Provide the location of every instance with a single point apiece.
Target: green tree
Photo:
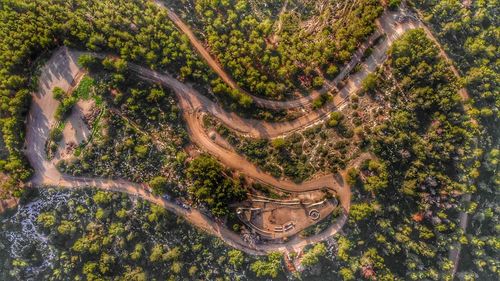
(335, 118)
(352, 176)
(159, 185)
(312, 256)
(236, 258)
(58, 93)
(369, 84)
(87, 61)
(47, 219)
(212, 186)
(270, 268)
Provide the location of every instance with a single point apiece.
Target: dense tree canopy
(212, 185)
(402, 220)
(136, 30)
(469, 32)
(271, 47)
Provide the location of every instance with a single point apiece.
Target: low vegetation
(322, 148)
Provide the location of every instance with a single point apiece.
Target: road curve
(260, 129)
(62, 71)
(385, 25)
(219, 70)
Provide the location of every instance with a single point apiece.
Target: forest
(432, 145)
(30, 30)
(96, 235)
(469, 34)
(273, 48)
(406, 207)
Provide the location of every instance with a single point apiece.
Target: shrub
(352, 176)
(278, 143)
(369, 84)
(58, 93)
(312, 256)
(87, 61)
(332, 70)
(394, 4)
(269, 268)
(318, 82)
(159, 185)
(335, 118)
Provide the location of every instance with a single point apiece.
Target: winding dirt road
(385, 25)
(62, 71)
(388, 24)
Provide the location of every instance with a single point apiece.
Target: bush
(352, 176)
(278, 143)
(394, 4)
(335, 118)
(56, 134)
(269, 268)
(58, 93)
(84, 88)
(65, 107)
(332, 70)
(87, 61)
(369, 84)
(321, 100)
(159, 185)
(312, 256)
(318, 82)
(141, 151)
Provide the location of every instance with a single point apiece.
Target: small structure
(314, 214)
(289, 226)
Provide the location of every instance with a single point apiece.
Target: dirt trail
(193, 105)
(385, 25)
(61, 71)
